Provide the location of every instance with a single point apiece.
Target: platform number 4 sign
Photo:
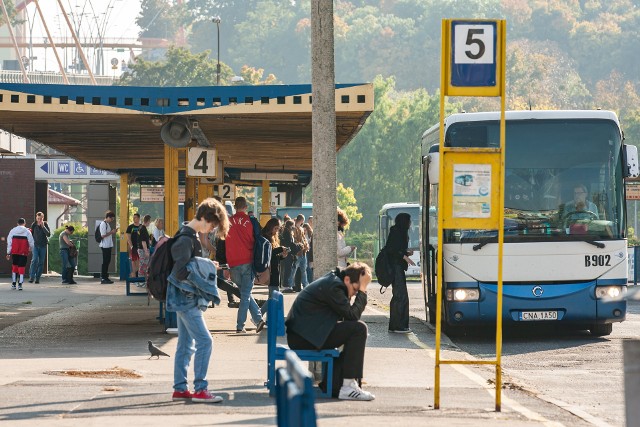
(201, 162)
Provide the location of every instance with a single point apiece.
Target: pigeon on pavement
(155, 351)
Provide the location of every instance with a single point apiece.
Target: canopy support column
(171, 225)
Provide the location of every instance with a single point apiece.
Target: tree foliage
(347, 202)
(560, 55)
(179, 68)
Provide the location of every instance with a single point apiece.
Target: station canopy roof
(117, 128)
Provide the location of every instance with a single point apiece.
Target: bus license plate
(527, 316)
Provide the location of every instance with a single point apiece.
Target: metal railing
(41, 77)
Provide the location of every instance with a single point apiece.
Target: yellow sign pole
(439, 265)
(473, 64)
(503, 44)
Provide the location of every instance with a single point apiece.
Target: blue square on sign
(79, 168)
(64, 168)
(473, 53)
(94, 171)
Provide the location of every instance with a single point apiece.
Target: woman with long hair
(396, 248)
(270, 232)
(308, 231)
(343, 249)
(286, 240)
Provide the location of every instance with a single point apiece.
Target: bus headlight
(609, 292)
(463, 294)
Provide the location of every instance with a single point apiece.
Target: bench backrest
(297, 399)
(275, 316)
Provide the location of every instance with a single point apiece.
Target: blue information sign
(473, 53)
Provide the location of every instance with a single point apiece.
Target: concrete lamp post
(216, 20)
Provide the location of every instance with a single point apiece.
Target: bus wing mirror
(433, 167)
(632, 169)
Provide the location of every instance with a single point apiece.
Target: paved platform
(50, 328)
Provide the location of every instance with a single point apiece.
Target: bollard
(631, 351)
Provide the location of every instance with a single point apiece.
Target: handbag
(73, 252)
(263, 278)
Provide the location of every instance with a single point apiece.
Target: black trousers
(229, 287)
(399, 307)
(350, 333)
(106, 260)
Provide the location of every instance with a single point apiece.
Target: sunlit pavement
(50, 328)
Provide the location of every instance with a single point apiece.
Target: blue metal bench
(294, 394)
(131, 280)
(275, 351)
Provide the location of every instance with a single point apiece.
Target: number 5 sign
(201, 162)
(473, 57)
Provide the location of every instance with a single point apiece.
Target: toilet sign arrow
(45, 167)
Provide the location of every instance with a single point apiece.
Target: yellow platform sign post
(472, 193)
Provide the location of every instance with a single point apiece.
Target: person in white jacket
(343, 249)
(19, 244)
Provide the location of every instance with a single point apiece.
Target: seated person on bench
(322, 317)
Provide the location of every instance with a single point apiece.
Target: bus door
(429, 238)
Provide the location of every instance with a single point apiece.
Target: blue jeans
(242, 275)
(299, 263)
(67, 263)
(37, 262)
(193, 337)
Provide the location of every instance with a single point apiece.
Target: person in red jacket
(19, 244)
(239, 246)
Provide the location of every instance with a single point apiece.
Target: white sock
(13, 277)
(21, 278)
(347, 382)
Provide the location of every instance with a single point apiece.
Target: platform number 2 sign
(201, 162)
(227, 191)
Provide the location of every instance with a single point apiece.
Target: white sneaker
(354, 392)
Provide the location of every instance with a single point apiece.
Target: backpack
(98, 234)
(384, 270)
(261, 249)
(160, 266)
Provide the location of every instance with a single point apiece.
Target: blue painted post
(636, 256)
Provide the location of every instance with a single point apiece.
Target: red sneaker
(205, 396)
(181, 395)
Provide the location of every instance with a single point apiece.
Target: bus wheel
(601, 330)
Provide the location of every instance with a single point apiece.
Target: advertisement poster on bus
(471, 190)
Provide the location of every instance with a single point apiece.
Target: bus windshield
(563, 179)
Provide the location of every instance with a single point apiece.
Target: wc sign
(70, 170)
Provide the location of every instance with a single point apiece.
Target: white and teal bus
(386, 219)
(565, 246)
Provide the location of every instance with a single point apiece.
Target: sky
(117, 17)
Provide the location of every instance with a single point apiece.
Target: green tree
(347, 202)
(159, 19)
(179, 68)
(382, 163)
